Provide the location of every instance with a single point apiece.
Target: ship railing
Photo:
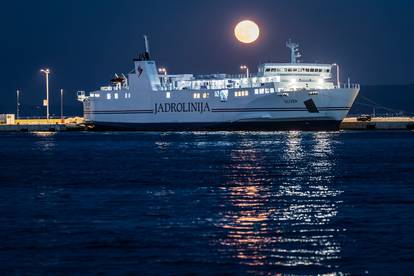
(225, 76)
(348, 85)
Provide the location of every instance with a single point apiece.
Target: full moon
(247, 31)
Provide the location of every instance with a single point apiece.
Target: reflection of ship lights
(286, 223)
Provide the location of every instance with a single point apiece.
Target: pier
(78, 124)
(378, 123)
(10, 124)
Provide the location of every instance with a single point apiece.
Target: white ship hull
(254, 112)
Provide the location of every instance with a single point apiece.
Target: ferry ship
(280, 96)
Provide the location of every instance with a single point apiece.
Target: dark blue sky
(85, 42)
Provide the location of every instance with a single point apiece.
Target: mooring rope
(376, 105)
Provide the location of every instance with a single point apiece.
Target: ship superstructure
(280, 96)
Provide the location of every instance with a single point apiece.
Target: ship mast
(147, 50)
(295, 54)
(145, 56)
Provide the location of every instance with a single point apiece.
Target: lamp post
(244, 67)
(338, 83)
(163, 71)
(61, 106)
(17, 104)
(47, 72)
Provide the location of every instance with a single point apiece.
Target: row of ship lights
(164, 72)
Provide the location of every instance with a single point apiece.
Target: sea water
(295, 203)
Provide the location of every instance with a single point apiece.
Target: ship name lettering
(291, 101)
(199, 107)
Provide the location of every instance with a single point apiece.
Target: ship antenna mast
(147, 50)
(295, 54)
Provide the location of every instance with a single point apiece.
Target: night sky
(85, 42)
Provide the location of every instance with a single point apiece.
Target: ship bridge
(301, 69)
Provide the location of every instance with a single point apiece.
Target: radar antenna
(295, 53)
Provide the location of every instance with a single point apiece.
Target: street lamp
(17, 104)
(244, 67)
(338, 83)
(61, 106)
(47, 72)
(163, 71)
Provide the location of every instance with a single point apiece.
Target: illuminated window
(224, 94)
(206, 95)
(272, 90)
(126, 95)
(116, 96)
(196, 96)
(217, 94)
(261, 91)
(243, 93)
(168, 95)
(108, 96)
(256, 91)
(267, 90)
